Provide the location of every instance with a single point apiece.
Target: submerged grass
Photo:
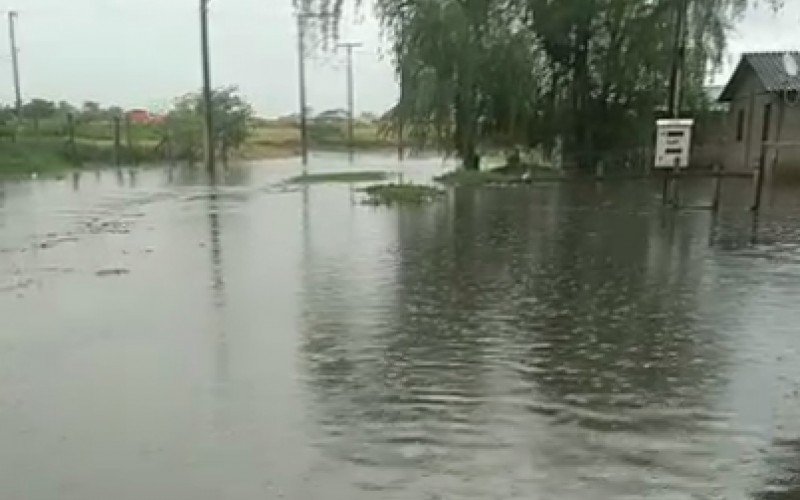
(27, 157)
(474, 178)
(345, 177)
(406, 194)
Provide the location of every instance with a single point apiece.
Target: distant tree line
(181, 126)
(591, 75)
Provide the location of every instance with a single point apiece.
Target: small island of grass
(400, 194)
(339, 177)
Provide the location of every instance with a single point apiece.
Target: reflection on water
(559, 341)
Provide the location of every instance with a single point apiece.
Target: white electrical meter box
(673, 143)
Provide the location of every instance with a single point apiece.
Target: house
(764, 109)
(144, 117)
(139, 116)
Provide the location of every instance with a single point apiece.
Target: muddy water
(160, 338)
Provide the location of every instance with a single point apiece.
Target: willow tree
(594, 73)
(467, 69)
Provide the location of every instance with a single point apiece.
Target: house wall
(743, 155)
(787, 131)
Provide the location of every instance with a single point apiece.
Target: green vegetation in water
(26, 157)
(403, 194)
(509, 174)
(463, 177)
(344, 177)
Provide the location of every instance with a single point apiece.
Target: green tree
(231, 115)
(38, 109)
(91, 111)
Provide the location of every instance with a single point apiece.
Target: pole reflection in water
(754, 228)
(221, 341)
(215, 230)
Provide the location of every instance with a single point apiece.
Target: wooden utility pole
(12, 17)
(350, 96)
(208, 111)
(301, 55)
(301, 58)
(678, 59)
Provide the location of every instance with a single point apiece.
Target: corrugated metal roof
(770, 70)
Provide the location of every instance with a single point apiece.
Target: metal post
(12, 16)
(207, 107)
(301, 55)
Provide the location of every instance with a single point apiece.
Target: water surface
(160, 338)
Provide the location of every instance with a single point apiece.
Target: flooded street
(163, 339)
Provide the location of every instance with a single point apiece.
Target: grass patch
(345, 177)
(474, 178)
(402, 194)
(26, 157)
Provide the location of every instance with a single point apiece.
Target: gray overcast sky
(144, 52)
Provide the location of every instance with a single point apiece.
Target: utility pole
(207, 108)
(301, 52)
(12, 17)
(678, 59)
(301, 58)
(350, 97)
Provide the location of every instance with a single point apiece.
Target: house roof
(768, 68)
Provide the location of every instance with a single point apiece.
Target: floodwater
(163, 339)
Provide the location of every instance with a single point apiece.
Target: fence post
(73, 150)
(117, 145)
(717, 187)
(169, 145)
(129, 141)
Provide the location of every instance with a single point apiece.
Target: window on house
(740, 126)
(766, 126)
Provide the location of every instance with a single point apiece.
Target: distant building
(764, 109)
(332, 116)
(144, 117)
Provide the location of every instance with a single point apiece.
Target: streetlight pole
(350, 96)
(207, 107)
(12, 17)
